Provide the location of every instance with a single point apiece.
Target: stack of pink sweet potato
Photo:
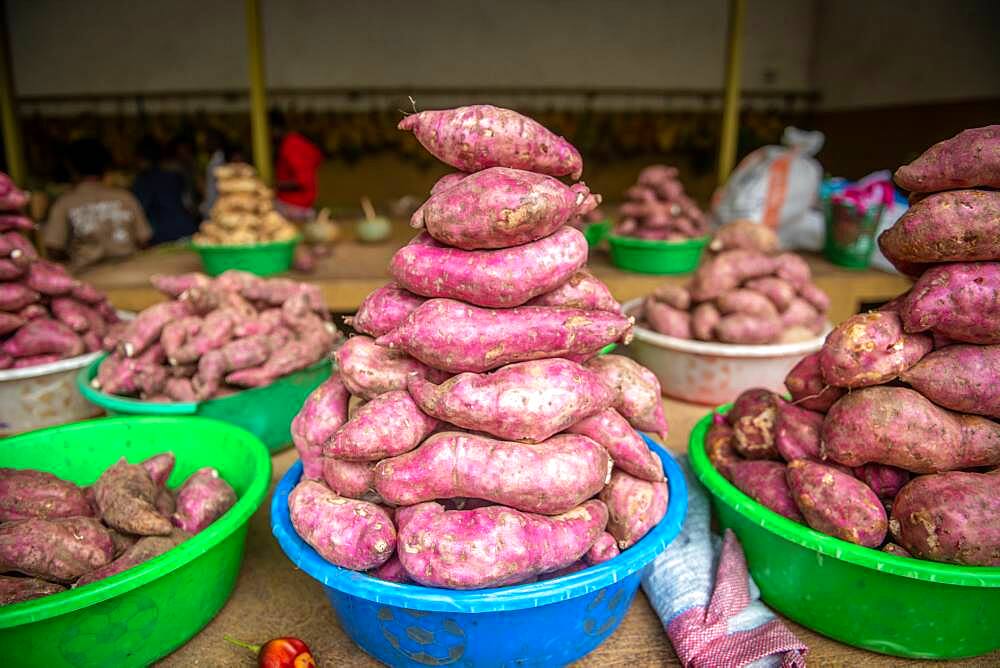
(488, 443)
(216, 336)
(657, 207)
(893, 432)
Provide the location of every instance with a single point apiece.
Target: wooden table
(272, 598)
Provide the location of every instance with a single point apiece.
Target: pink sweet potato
(778, 290)
(387, 426)
(27, 493)
(9, 270)
(203, 498)
(88, 294)
(73, 314)
(792, 268)
(213, 332)
(322, 414)
(960, 301)
(494, 278)
(582, 290)
(797, 432)
(15, 296)
(899, 427)
(384, 309)
(60, 550)
(176, 333)
(704, 319)
(177, 284)
(125, 496)
(354, 480)
(800, 312)
(41, 336)
(870, 349)
(17, 590)
(752, 417)
(969, 159)
(13, 221)
(501, 207)
(289, 357)
(885, 481)
(746, 235)
(480, 136)
(741, 300)
(746, 329)
(346, 532)
(552, 476)
(10, 322)
(837, 503)
(35, 360)
(673, 295)
(450, 335)
(636, 389)
(892, 548)
(369, 370)
(49, 278)
(808, 388)
(141, 551)
(666, 319)
(392, 570)
(605, 548)
(950, 517)
(728, 270)
(526, 401)
(146, 328)
(764, 482)
(634, 506)
(963, 378)
(494, 546)
(627, 449)
(18, 248)
(719, 445)
(447, 181)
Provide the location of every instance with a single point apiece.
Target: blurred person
(93, 221)
(162, 193)
(218, 154)
(297, 163)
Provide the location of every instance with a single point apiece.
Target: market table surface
(272, 599)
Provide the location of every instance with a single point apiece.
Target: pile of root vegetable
(657, 208)
(892, 432)
(488, 443)
(244, 212)
(56, 534)
(217, 336)
(744, 293)
(45, 314)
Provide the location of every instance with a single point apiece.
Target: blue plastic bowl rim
(516, 597)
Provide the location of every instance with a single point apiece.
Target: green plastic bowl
(143, 614)
(649, 256)
(265, 259)
(857, 595)
(266, 412)
(595, 233)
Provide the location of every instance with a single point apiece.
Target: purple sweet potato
(627, 449)
(42, 336)
(704, 319)
(384, 309)
(526, 401)
(125, 496)
(634, 506)
(605, 548)
(797, 432)
(765, 483)
(960, 301)
(15, 296)
(949, 517)
(582, 290)
(500, 278)
(346, 532)
(27, 493)
(368, 370)
(753, 416)
(322, 414)
(636, 392)
(387, 426)
(17, 590)
(969, 159)
(495, 545)
(719, 445)
(746, 329)
(548, 478)
(728, 270)
(808, 388)
(354, 480)
(450, 335)
(666, 319)
(870, 349)
(146, 328)
(159, 467)
(899, 427)
(49, 278)
(961, 377)
(837, 504)
(60, 550)
(203, 498)
(885, 481)
(953, 226)
(141, 551)
(480, 136)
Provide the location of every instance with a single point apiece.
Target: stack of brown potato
(244, 213)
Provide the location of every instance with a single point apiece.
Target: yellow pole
(258, 93)
(8, 108)
(731, 99)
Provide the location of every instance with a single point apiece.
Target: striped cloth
(709, 604)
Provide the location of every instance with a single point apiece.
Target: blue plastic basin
(547, 623)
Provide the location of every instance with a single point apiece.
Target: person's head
(149, 150)
(88, 158)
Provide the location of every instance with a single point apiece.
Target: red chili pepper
(284, 652)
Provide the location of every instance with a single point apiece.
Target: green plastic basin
(264, 259)
(143, 614)
(266, 412)
(649, 256)
(595, 233)
(857, 595)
